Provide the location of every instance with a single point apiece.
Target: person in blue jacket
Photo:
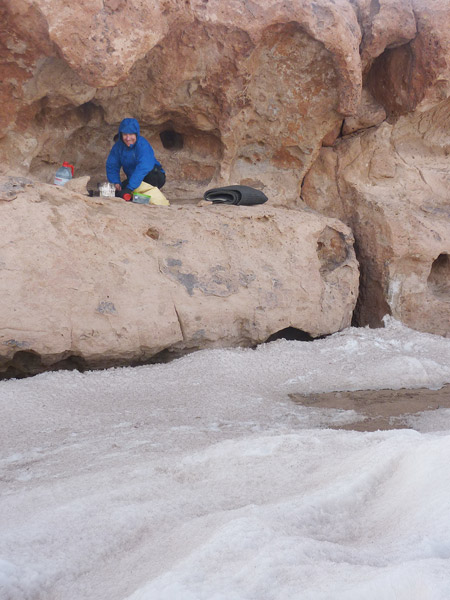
(134, 154)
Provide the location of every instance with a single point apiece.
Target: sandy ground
(381, 409)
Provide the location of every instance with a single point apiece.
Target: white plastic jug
(107, 190)
(63, 174)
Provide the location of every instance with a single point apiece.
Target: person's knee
(161, 180)
(155, 177)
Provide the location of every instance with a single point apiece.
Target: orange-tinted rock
(260, 84)
(232, 92)
(391, 184)
(416, 74)
(386, 24)
(368, 114)
(264, 83)
(332, 135)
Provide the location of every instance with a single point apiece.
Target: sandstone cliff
(340, 104)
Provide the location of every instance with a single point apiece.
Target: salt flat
(203, 479)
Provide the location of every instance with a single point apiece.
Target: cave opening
(171, 139)
(290, 333)
(439, 277)
(26, 363)
(397, 80)
(371, 305)
(78, 135)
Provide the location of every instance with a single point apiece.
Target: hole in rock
(76, 135)
(26, 363)
(439, 277)
(23, 363)
(371, 305)
(290, 333)
(84, 136)
(397, 80)
(171, 140)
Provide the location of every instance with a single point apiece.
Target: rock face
(392, 185)
(295, 98)
(97, 281)
(225, 93)
(235, 92)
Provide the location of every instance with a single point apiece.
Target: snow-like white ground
(200, 479)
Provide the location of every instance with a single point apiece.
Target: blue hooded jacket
(136, 160)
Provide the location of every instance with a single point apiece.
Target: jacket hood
(129, 126)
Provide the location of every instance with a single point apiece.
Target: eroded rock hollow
(341, 105)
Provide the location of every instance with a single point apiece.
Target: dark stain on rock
(215, 283)
(16, 344)
(177, 244)
(199, 334)
(245, 279)
(189, 280)
(106, 308)
(220, 284)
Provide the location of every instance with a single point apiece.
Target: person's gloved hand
(126, 194)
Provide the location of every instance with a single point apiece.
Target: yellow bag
(155, 195)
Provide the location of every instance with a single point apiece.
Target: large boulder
(98, 281)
